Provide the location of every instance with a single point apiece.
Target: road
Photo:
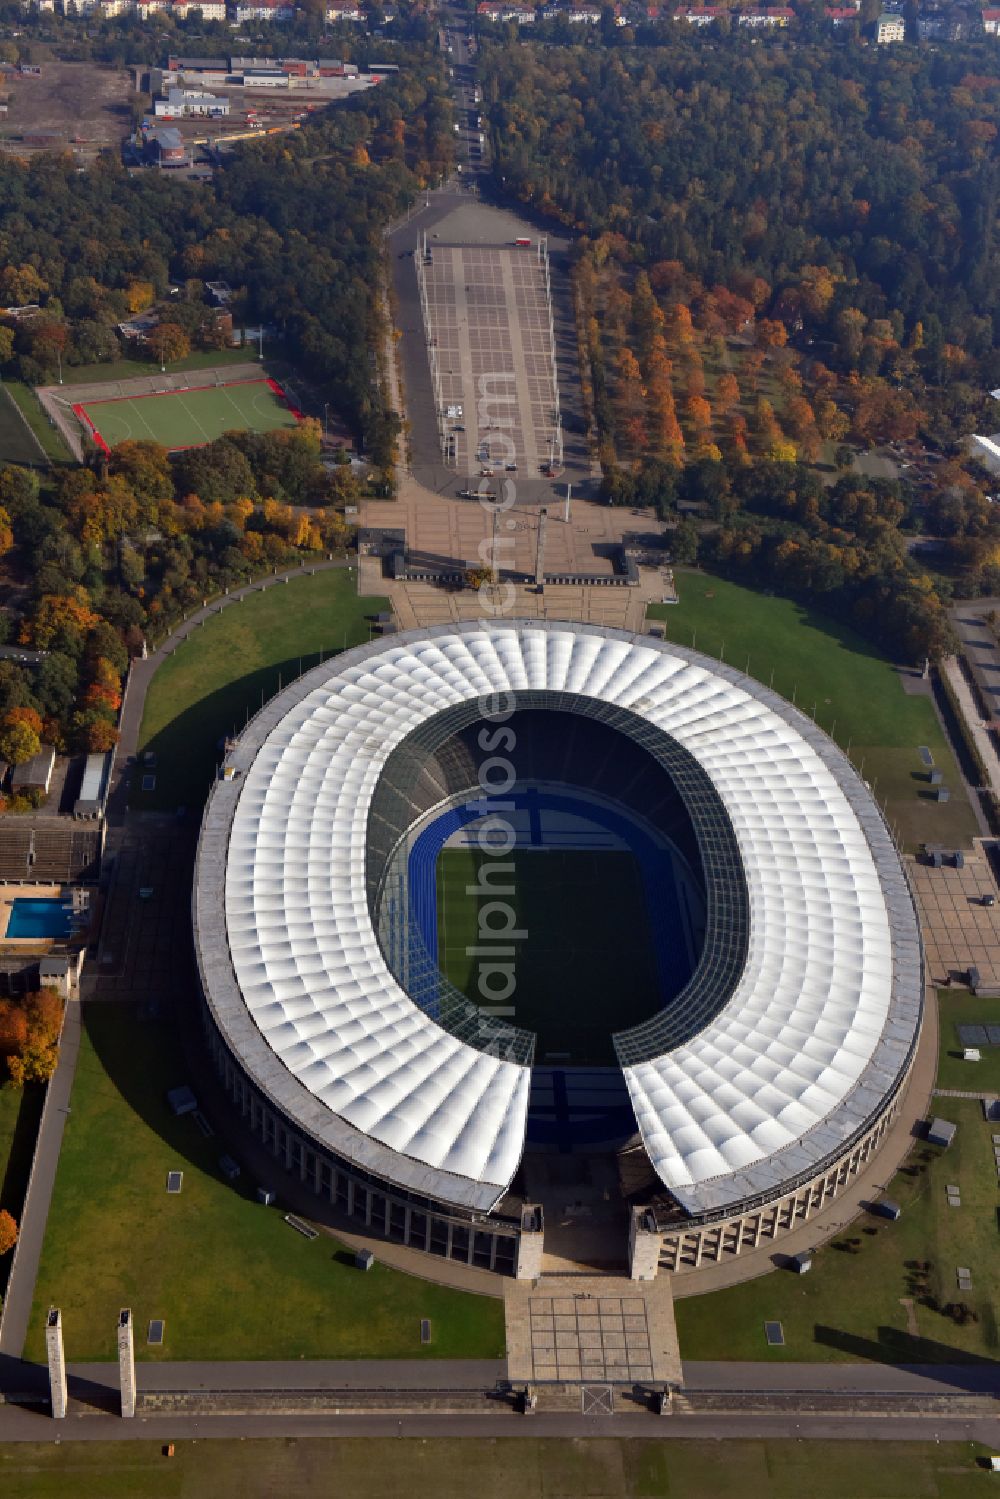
(20, 1424)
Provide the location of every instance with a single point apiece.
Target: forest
(782, 258)
(880, 171)
(121, 552)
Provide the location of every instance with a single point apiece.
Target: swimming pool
(40, 917)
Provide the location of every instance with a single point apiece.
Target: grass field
(217, 676)
(585, 966)
(17, 442)
(957, 1007)
(856, 694)
(48, 438)
(130, 369)
(231, 1279)
(529, 1468)
(848, 1307)
(191, 418)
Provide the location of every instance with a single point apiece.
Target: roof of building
(37, 770)
(167, 137)
(791, 1057)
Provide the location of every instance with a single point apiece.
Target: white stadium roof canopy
(795, 1059)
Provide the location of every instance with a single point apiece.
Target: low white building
(183, 103)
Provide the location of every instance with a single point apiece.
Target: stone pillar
(126, 1361)
(643, 1245)
(543, 516)
(57, 1363)
(531, 1244)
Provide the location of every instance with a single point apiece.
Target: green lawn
(585, 966)
(856, 694)
(189, 419)
(206, 689)
(17, 442)
(232, 1280)
(128, 369)
(848, 1306)
(51, 443)
(957, 1007)
(528, 1468)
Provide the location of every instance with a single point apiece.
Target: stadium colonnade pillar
(644, 1240)
(126, 1361)
(531, 1243)
(57, 1363)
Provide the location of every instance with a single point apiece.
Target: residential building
(890, 28)
(210, 10)
(758, 20)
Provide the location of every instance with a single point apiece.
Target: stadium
(485, 908)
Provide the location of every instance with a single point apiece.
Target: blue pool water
(45, 917)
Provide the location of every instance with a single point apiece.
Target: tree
(18, 743)
(168, 343)
(139, 295)
(727, 392)
(8, 1231)
(60, 622)
(13, 1027)
(771, 334)
(684, 543)
(45, 1015)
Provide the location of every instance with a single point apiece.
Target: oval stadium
(536, 937)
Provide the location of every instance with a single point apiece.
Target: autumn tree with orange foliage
(35, 1059)
(727, 392)
(8, 1231)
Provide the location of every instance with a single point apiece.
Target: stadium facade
(758, 1090)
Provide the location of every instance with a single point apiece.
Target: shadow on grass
(144, 1057)
(18, 1169)
(966, 1371)
(189, 747)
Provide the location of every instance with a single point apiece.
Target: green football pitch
(188, 418)
(585, 967)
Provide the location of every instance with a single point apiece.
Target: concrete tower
(126, 1361)
(543, 516)
(57, 1362)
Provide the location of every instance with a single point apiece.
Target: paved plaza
(575, 1329)
(442, 529)
(959, 931)
(490, 334)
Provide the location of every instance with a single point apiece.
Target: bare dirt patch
(77, 104)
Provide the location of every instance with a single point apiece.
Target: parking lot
(489, 328)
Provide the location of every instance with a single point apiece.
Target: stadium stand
(55, 853)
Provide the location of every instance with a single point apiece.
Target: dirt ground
(77, 103)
